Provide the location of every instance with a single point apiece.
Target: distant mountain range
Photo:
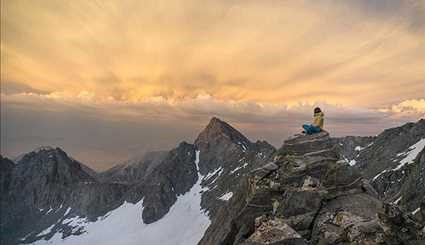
(224, 189)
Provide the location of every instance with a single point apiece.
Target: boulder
(274, 231)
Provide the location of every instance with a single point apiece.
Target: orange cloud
(267, 51)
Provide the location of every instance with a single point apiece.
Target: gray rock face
(220, 141)
(384, 161)
(226, 158)
(274, 231)
(382, 154)
(308, 196)
(413, 188)
(173, 177)
(42, 179)
(6, 169)
(134, 170)
(349, 147)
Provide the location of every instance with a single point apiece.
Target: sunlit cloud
(256, 50)
(408, 107)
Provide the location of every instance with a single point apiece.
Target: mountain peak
(53, 163)
(37, 150)
(215, 124)
(218, 129)
(43, 148)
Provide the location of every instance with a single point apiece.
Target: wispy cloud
(255, 50)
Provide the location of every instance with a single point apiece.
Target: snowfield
(412, 152)
(226, 196)
(184, 224)
(409, 156)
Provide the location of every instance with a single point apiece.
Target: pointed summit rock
(218, 131)
(53, 164)
(220, 141)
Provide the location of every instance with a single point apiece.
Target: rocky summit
(225, 189)
(308, 195)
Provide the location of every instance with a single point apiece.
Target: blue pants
(310, 129)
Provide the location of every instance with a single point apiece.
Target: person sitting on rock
(317, 125)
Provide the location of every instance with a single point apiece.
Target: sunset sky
(108, 80)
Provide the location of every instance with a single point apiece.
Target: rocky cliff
(307, 195)
(134, 170)
(391, 161)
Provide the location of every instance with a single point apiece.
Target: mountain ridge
(215, 171)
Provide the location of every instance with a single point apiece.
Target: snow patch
(46, 231)
(226, 196)
(381, 173)
(260, 155)
(416, 211)
(240, 167)
(216, 173)
(67, 212)
(244, 147)
(398, 200)
(43, 148)
(358, 148)
(410, 154)
(50, 210)
(76, 223)
(413, 151)
(60, 207)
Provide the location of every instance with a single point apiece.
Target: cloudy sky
(107, 80)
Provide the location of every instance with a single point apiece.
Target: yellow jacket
(318, 119)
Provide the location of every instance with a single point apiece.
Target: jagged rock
(310, 183)
(6, 169)
(274, 231)
(42, 179)
(265, 170)
(175, 176)
(309, 191)
(339, 219)
(220, 141)
(349, 147)
(413, 191)
(399, 228)
(226, 159)
(307, 144)
(380, 155)
(386, 160)
(134, 170)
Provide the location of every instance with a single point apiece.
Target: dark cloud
(11, 87)
(412, 12)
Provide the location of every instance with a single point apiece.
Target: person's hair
(317, 110)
